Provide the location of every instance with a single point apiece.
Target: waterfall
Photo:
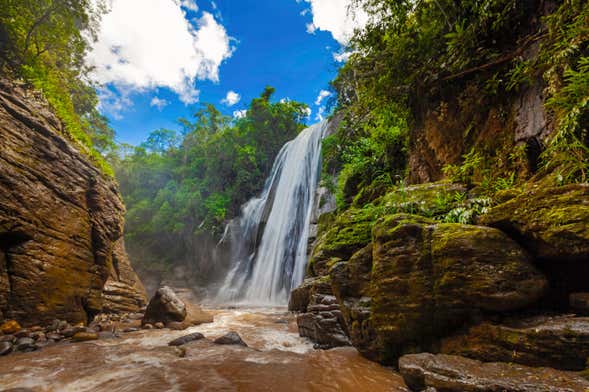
(269, 240)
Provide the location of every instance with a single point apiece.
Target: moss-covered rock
(552, 223)
(559, 342)
(428, 279)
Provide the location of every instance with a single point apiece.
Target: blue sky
(235, 45)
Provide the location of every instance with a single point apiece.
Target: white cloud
(322, 95)
(342, 56)
(231, 99)
(189, 5)
(338, 17)
(145, 44)
(320, 114)
(311, 29)
(307, 112)
(112, 103)
(159, 103)
(239, 113)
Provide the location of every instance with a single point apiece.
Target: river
(277, 359)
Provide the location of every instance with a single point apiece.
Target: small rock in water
(175, 325)
(5, 348)
(55, 336)
(36, 328)
(8, 338)
(147, 326)
(25, 345)
(131, 329)
(84, 336)
(185, 339)
(23, 333)
(159, 325)
(231, 338)
(10, 327)
(68, 332)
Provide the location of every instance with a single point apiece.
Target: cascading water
(269, 242)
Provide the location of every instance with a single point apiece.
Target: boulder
(451, 373)
(165, 306)
(560, 342)
(301, 296)
(84, 336)
(25, 345)
(323, 323)
(429, 278)
(551, 222)
(10, 327)
(5, 348)
(186, 339)
(61, 217)
(231, 338)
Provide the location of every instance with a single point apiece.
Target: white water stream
(270, 241)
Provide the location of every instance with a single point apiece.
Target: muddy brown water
(277, 359)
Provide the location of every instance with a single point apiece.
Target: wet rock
(10, 327)
(579, 303)
(301, 296)
(559, 342)
(551, 222)
(165, 306)
(25, 345)
(38, 336)
(23, 333)
(55, 336)
(451, 373)
(429, 278)
(135, 316)
(131, 329)
(53, 197)
(84, 336)
(5, 348)
(107, 335)
(159, 325)
(147, 326)
(8, 338)
(176, 326)
(322, 323)
(68, 332)
(188, 338)
(36, 328)
(231, 338)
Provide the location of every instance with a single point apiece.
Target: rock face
(450, 373)
(165, 306)
(323, 322)
(558, 342)
(61, 220)
(551, 222)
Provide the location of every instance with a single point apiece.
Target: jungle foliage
(45, 43)
(414, 52)
(177, 186)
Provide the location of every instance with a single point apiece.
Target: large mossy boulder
(560, 342)
(449, 373)
(552, 223)
(429, 278)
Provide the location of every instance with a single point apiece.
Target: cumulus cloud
(239, 114)
(145, 44)
(320, 114)
(307, 112)
(231, 99)
(159, 103)
(338, 17)
(322, 95)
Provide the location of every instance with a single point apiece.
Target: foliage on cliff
(413, 54)
(177, 186)
(45, 43)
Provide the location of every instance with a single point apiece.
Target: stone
(68, 332)
(25, 345)
(23, 333)
(560, 342)
(579, 303)
(451, 373)
(186, 339)
(5, 348)
(55, 337)
(323, 323)
(107, 335)
(53, 197)
(10, 327)
(130, 329)
(165, 306)
(147, 326)
(301, 296)
(176, 326)
(8, 338)
(159, 325)
(551, 222)
(84, 336)
(231, 338)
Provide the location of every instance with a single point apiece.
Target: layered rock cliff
(61, 222)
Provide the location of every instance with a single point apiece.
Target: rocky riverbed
(275, 359)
